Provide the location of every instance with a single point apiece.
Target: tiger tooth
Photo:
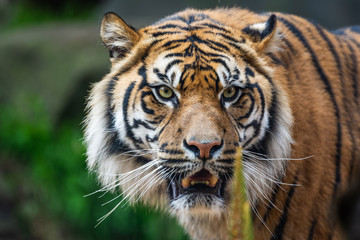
(199, 182)
(185, 182)
(213, 180)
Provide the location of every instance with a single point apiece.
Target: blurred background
(50, 53)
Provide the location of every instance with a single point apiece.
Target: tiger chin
(185, 92)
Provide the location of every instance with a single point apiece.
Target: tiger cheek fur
(182, 94)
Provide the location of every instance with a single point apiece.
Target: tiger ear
(264, 36)
(117, 36)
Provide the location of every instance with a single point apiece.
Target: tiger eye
(229, 92)
(165, 92)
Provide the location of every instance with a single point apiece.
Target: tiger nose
(203, 150)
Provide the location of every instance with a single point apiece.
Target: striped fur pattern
(294, 109)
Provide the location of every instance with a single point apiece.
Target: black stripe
(168, 44)
(226, 160)
(164, 33)
(229, 151)
(175, 160)
(169, 26)
(143, 84)
(251, 108)
(249, 72)
(126, 100)
(110, 111)
(115, 145)
(262, 146)
(208, 54)
(139, 122)
(230, 39)
(289, 45)
(355, 73)
(161, 76)
(351, 64)
(215, 27)
(222, 62)
(171, 151)
(279, 230)
(348, 109)
(276, 60)
(329, 89)
(312, 228)
(271, 202)
(172, 64)
(256, 123)
(356, 76)
(173, 47)
(162, 129)
(174, 55)
(143, 103)
(339, 66)
(217, 44)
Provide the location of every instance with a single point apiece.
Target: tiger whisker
(262, 157)
(100, 220)
(134, 185)
(263, 194)
(264, 175)
(162, 175)
(130, 187)
(153, 179)
(256, 185)
(127, 176)
(258, 170)
(253, 207)
(118, 181)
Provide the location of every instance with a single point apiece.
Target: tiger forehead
(188, 22)
(197, 29)
(183, 73)
(192, 50)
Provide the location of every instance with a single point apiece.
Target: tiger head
(182, 95)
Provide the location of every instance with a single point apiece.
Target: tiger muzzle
(202, 182)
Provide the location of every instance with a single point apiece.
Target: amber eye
(165, 92)
(230, 93)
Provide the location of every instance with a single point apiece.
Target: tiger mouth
(202, 182)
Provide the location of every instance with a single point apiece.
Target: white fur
(111, 31)
(95, 125)
(259, 26)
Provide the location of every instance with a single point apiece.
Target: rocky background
(50, 53)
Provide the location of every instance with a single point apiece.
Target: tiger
(183, 94)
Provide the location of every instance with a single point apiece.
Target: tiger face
(182, 96)
(201, 126)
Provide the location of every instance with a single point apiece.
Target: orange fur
(303, 99)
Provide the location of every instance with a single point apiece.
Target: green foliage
(46, 177)
(30, 12)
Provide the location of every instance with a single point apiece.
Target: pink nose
(204, 149)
